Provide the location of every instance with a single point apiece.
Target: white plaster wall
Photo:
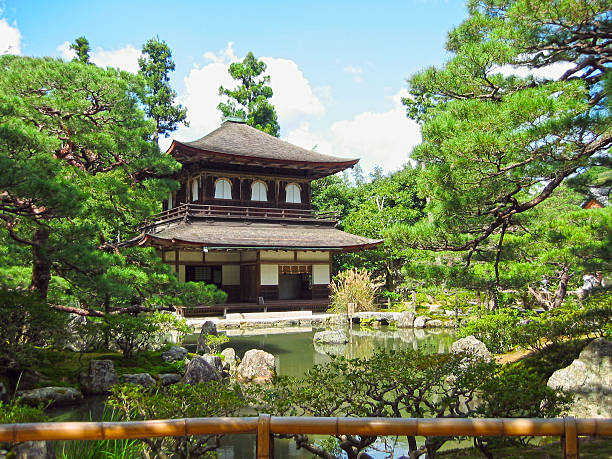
(269, 274)
(185, 255)
(313, 256)
(222, 256)
(320, 274)
(274, 255)
(181, 273)
(230, 274)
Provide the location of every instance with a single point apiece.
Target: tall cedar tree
(81, 48)
(496, 145)
(155, 65)
(76, 168)
(252, 96)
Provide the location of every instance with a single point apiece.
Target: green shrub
(131, 334)
(352, 286)
(496, 331)
(198, 293)
(16, 413)
(214, 342)
(26, 322)
(208, 399)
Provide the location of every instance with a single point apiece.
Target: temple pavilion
(242, 218)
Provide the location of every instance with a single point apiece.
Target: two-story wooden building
(242, 218)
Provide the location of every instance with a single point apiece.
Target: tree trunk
(41, 264)
(562, 289)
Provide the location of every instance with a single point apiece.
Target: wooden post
(569, 442)
(265, 443)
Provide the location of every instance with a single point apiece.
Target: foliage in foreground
(178, 401)
(352, 286)
(407, 384)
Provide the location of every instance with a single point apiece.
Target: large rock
(434, 323)
(199, 370)
(256, 366)
(214, 361)
(406, 320)
(34, 450)
(229, 359)
(420, 321)
(174, 354)
(331, 337)
(167, 379)
(139, 379)
(474, 347)
(55, 396)
(100, 377)
(208, 328)
(589, 377)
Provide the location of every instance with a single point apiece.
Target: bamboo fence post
(569, 441)
(265, 442)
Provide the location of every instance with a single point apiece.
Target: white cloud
(355, 71)
(125, 58)
(553, 71)
(10, 38)
(294, 98)
(377, 138)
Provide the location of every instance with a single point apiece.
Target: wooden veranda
(319, 305)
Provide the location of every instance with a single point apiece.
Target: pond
(295, 353)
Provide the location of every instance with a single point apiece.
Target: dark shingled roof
(257, 235)
(238, 140)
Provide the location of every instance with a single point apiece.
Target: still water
(296, 353)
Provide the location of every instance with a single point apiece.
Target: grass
(62, 368)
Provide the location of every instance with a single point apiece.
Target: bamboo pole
(265, 425)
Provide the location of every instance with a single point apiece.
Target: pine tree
(250, 100)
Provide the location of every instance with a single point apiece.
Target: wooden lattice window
(295, 269)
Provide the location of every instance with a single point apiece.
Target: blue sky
(338, 68)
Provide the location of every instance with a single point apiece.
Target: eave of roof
(220, 236)
(238, 142)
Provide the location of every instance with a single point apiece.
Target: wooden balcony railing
(209, 211)
(568, 428)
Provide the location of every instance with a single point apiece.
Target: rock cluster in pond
(471, 345)
(52, 396)
(208, 328)
(139, 379)
(174, 354)
(200, 370)
(589, 377)
(256, 366)
(100, 377)
(331, 337)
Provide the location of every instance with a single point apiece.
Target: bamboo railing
(568, 428)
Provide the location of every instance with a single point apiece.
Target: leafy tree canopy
(81, 48)
(250, 100)
(496, 146)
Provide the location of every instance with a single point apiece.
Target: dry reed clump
(352, 286)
